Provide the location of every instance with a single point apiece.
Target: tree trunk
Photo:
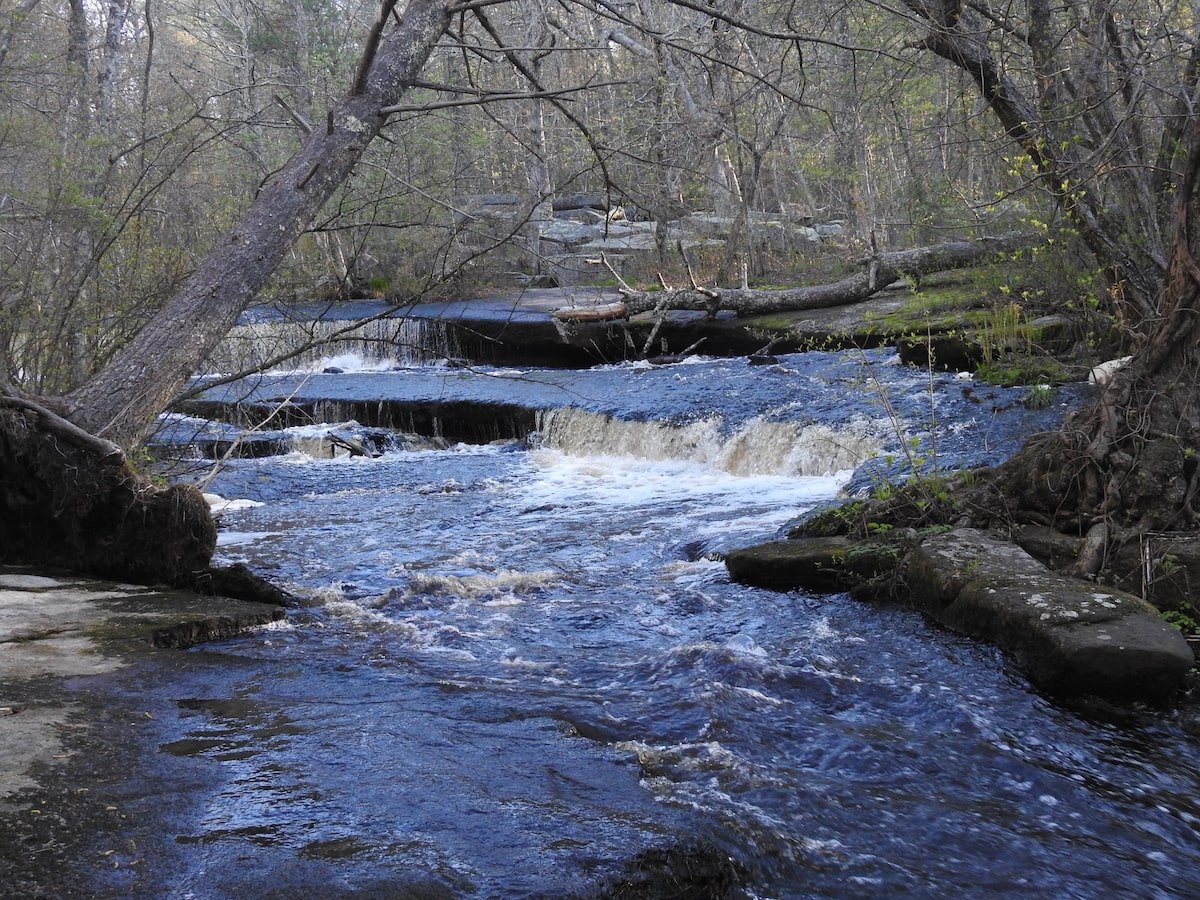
(878, 272)
(122, 400)
(1121, 239)
(15, 19)
(1128, 463)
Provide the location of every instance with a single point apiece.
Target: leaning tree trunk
(69, 498)
(121, 401)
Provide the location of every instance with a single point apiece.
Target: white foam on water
(757, 447)
(354, 363)
(375, 345)
(497, 589)
(241, 538)
(218, 504)
(697, 499)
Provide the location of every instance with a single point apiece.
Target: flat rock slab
(1070, 636)
(820, 563)
(53, 628)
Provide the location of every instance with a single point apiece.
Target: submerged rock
(1070, 636)
(60, 627)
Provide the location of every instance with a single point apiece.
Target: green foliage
(1040, 396)
(1017, 369)
(835, 520)
(1184, 620)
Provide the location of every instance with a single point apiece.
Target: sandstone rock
(53, 629)
(831, 229)
(817, 564)
(569, 233)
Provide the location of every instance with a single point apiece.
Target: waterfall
(380, 343)
(756, 447)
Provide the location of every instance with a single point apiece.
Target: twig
(308, 176)
(219, 464)
(660, 315)
(302, 123)
(625, 288)
(368, 57)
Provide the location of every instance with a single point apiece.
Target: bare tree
(1101, 98)
(120, 401)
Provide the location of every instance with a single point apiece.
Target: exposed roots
(66, 503)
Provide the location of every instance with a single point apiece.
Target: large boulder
(1071, 637)
(817, 564)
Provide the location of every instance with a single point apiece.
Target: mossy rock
(821, 564)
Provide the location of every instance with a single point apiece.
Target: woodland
(163, 164)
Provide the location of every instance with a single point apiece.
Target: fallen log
(879, 271)
(603, 312)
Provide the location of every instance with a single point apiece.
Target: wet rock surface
(1070, 636)
(60, 738)
(520, 328)
(819, 563)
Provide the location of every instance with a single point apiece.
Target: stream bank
(59, 633)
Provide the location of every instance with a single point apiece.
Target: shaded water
(520, 667)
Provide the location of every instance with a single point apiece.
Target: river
(520, 664)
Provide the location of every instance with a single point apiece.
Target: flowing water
(522, 663)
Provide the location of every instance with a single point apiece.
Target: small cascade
(757, 447)
(180, 436)
(378, 344)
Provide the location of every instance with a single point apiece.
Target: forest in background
(162, 167)
(133, 133)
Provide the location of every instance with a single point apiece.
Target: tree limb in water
(878, 272)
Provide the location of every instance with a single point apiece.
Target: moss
(932, 310)
(1016, 369)
(780, 322)
(831, 521)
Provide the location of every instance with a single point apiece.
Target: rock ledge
(1070, 636)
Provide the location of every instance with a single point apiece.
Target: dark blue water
(518, 669)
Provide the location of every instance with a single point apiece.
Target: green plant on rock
(836, 520)
(1022, 369)
(1040, 396)
(1003, 332)
(1184, 620)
